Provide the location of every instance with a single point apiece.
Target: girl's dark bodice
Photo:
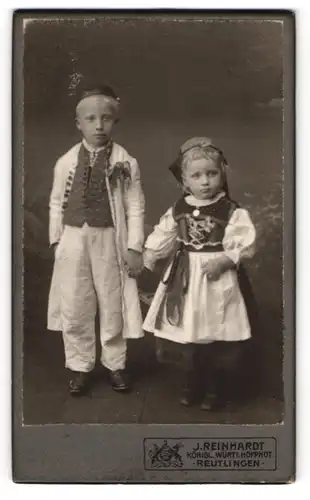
(202, 229)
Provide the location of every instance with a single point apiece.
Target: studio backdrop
(176, 79)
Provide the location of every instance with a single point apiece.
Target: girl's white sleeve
(240, 236)
(161, 242)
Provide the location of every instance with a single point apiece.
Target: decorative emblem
(196, 212)
(199, 230)
(166, 456)
(121, 170)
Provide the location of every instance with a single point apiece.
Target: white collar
(90, 148)
(195, 202)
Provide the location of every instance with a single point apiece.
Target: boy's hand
(215, 267)
(133, 263)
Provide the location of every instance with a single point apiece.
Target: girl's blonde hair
(195, 149)
(197, 153)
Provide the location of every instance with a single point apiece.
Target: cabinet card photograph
(153, 175)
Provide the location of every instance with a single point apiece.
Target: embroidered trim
(68, 187)
(199, 231)
(199, 246)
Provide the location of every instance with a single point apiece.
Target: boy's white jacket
(127, 207)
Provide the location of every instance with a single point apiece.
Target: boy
(97, 230)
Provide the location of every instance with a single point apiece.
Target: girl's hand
(216, 267)
(133, 263)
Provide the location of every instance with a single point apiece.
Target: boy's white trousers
(90, 279)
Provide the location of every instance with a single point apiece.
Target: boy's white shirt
(127, 207)
(133, 195)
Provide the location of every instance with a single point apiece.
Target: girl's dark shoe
(187, 399)
(79, 385)
(189, 394)
(211, 402)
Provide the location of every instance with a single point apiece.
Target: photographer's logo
(177, 454)
(163, 455)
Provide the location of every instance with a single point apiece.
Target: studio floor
(154, 397)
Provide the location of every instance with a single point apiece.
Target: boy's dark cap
(90, 89)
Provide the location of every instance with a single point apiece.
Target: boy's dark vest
(88, 199)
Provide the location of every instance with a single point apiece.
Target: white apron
(212, 310)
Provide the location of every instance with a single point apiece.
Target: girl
(199, 302)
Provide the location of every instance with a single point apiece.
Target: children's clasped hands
(214, 268)
(133, 263)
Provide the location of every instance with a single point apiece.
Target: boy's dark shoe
(119, 381)
(79, 385)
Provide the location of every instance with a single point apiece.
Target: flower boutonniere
(121, 171)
